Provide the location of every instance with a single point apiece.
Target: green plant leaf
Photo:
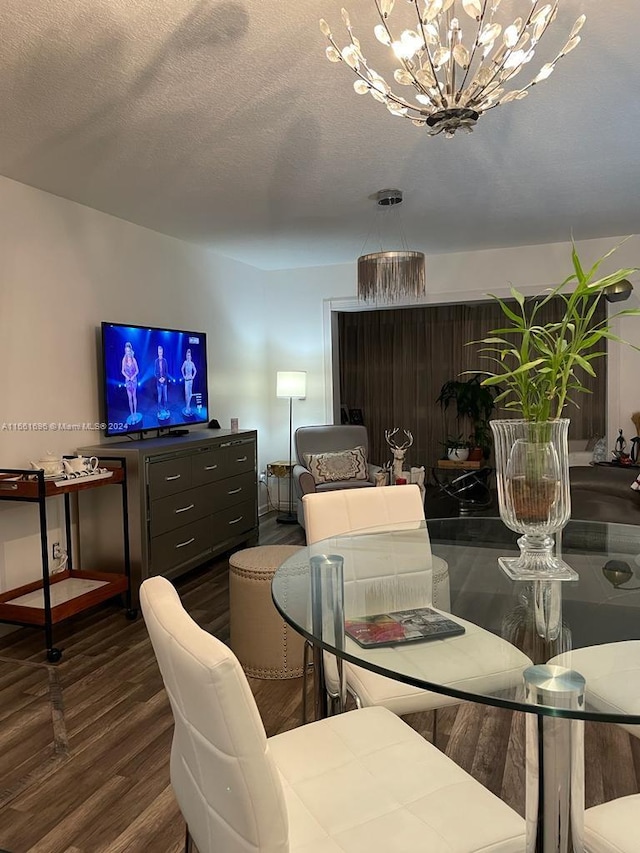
(614, 278)
(506, 310)
(576, 263)
(535, 363)
(584, 364)
(519, 297)
(604, 257)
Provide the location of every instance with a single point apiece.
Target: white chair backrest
(375, 581)
(225, 781)
(333, 513)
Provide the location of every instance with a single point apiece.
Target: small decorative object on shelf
(600, 451)
(382, 476)
(50, 463)
(417, 476)
(398, 450)
(457, 449)
(540, 366)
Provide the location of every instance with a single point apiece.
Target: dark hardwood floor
(84, 745)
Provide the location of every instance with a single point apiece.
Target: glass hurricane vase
(532, 471)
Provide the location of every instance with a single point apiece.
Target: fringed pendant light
(391, 276)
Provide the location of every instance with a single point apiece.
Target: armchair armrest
(303, 481)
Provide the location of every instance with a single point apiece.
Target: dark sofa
(604, 493)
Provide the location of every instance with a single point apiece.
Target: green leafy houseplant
(474, 402)
(455, 443)
(540, 366)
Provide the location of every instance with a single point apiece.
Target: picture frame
(355, 417)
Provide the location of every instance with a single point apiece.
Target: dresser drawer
(233, 521)
(169, 477)
(233, 490)
(180, 509)
(238, 458)
(181, 545)
(207, 466)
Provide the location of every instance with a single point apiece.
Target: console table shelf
(55, 597)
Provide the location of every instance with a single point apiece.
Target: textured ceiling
(220, 121)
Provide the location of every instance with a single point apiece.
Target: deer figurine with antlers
(398, 450)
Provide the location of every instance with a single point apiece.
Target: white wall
(65, 268)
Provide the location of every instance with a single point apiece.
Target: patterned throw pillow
(342, 465)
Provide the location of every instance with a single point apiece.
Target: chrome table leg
(555, 762)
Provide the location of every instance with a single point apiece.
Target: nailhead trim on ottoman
(262, 641)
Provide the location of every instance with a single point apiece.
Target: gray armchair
(328, 438)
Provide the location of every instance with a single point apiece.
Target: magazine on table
(403, 626)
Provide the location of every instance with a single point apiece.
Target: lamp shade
(291, 383)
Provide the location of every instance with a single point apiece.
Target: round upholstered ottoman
(262, 641)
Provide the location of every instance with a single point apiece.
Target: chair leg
(188, 841)
(435, 727)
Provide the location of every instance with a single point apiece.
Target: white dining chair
(612, 675)
(358, 781)
(613, 827)
(453, 661)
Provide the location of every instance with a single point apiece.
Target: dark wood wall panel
(393, 363)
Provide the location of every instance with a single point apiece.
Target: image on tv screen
(153, 378)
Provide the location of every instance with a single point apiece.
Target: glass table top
(591, 626)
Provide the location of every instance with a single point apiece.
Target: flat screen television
(153, 378)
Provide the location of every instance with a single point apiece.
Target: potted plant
(457, 449)
(474, 404)
(539, 368)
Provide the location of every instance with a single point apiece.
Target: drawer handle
(184, 508)
(236, 520)
(242, 459)
(174, 477)
(188, 542)
(210, 467)
(235, 491)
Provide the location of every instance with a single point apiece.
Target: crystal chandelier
(389, 276)
(457, 69)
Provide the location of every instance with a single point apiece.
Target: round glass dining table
(561, 651)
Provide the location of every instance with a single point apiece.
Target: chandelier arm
(485, 90)
(476, 44)
(450, 72)
(534, 8)
(533, 82)
(390, 95)
(549, 19)
(408, 66)
(440, 103)
(517, 70)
